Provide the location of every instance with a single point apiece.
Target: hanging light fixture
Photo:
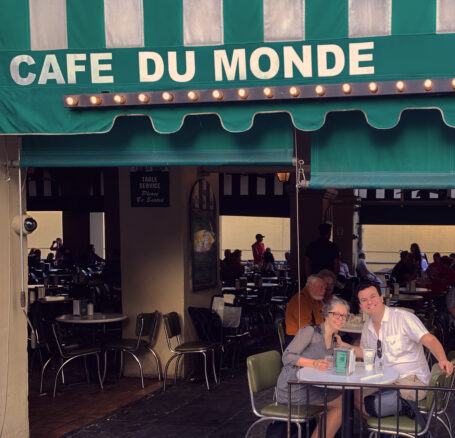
(283, 176)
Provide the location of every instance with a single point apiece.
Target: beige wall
(383, 242)
(238, 233)
(49, 228)
(156, 259)
(13, 326)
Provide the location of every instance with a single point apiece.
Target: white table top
(419, 290)
(405, 297)
(387, 376)
(97, 318)
(263, 285)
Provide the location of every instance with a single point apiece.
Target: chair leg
(42, 375)
(166, 368)
(177, 365)
(121, 364)
(60, 369)
(105, 365)
(140, 367)
(213, 367)
(157, 360)
(99, 374)
(445, 425)
(299, 430)
(87, 374)
(205, 370)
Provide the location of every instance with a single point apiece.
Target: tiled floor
(77, 404)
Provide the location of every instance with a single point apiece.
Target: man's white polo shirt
(400, 335)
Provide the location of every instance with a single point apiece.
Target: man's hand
(447, 366)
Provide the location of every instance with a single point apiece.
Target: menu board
(149, 189)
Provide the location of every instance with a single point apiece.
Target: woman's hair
(332, 303)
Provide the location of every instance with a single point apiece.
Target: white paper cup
(368, 358)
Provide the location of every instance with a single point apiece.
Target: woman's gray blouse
(308, 343)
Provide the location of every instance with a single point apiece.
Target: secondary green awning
(133, 142)
(418, 153)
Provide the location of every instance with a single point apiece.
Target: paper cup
(368, 358)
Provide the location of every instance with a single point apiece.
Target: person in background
(329, 279)
(268, 265)
(93, 257)
(424, 262)
(322, 253)
(416, 257)
(57, 246)
(434, 268)
(225, 263)
(258, 249)
(234, 269)
(405, 270)
(50, 258)
(363, 272)
(34, 258)
(443, 278)
(344, 271)
(305, 307)
(309, 349)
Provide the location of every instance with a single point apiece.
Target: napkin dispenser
(344, 360)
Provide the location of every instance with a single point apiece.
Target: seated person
(442, 277)
(308, 349)
(268, 265)
(234, 269)
(34, 258)
(329, 279)
(363, 272)
(305, 307)
(400, 336)
(405, 270)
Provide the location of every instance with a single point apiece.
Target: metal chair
(282, 334)
(443, 401)
(64, 355)
(173, 330)
(406, 426)
(146, 326)
(263, 370)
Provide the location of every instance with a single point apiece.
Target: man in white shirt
(400, 336)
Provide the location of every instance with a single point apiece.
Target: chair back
(52, 338)
(263, 370)
(438, 378)
(172, 327)
(281, 334)
(207, 324)
(146, 323)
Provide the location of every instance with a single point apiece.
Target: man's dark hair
(325, 229)
(365, 285)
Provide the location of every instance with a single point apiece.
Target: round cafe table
(96, 318)
(418, 290)
(385, 377)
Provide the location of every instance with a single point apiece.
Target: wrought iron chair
(179, 349)
(282, 334)
(406, 426)
(146, 326)
(263, 370)
(64, 355)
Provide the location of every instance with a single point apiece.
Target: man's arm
(437, 350)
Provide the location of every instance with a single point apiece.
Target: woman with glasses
(310, 348)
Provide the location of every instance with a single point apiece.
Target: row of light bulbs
(242, 93)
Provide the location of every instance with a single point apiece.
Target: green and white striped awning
(49, 48)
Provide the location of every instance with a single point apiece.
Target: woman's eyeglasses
(337, 315)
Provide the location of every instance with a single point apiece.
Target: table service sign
(368, 358)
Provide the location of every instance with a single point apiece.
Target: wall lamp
(283, 176)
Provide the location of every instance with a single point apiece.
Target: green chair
(173, 330)
(263, 371)
(146, 326)
(407, 426)
(443, 399)
(281, 334)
